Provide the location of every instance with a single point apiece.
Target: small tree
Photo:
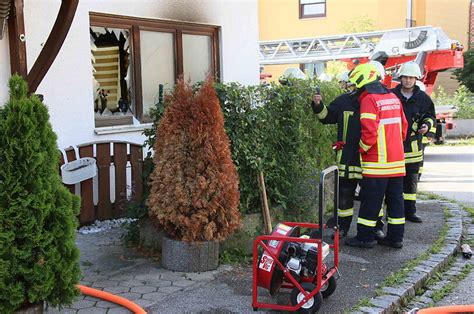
(38, 256)
(194, 187)
(466, 75)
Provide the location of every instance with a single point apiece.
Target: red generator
(289, 258)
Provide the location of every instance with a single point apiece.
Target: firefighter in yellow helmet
(383, 129)
(420, 113)
(344, 111)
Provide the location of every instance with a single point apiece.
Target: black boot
(358, 243)
(385, 242)
(413, 218)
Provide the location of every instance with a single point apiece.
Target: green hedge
(272, 129)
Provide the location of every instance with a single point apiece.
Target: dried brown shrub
(194, 187)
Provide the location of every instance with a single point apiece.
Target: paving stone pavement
(110, 266)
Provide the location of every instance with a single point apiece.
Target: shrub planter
(190, 256)
(35, 308)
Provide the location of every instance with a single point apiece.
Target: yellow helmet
(364, 74)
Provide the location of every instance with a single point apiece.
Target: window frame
(136, 24)
(309, 16)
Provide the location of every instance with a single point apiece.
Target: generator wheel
(329, 287)
(313, 305)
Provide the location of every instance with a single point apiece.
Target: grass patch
(468, 141)
(448, 288)
(235, 256)
(364, 302)
(468, 209)
(431, 196)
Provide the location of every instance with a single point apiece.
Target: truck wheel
(329, 287)
(313, 304)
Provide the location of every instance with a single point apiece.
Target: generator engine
(302, 257)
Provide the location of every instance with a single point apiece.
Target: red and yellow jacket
(383, 130)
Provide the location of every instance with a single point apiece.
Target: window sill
(122, 129)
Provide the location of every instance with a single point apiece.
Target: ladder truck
(428, 46)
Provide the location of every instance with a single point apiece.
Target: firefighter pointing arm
(344, 111)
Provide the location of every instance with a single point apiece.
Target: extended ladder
(396, 42)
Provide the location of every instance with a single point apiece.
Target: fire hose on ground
(111, 298)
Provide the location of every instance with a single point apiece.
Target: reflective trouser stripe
(409, 196)
(366, 222)
(345, 212)
(421, 170)
(381, 212)
(396, 221)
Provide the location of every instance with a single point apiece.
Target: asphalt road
(449, 171)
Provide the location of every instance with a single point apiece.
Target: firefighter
(420, 113)
(383, 129)
(344, 111)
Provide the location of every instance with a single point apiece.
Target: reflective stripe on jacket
(383, 129)
(418, 109)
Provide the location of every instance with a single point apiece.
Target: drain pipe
(409, 21)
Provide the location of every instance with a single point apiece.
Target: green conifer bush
(39, 260)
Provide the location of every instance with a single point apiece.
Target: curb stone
(392, 297)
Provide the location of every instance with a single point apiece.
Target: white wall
(67, 86)
(4, 68)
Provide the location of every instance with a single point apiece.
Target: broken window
(133, 57)
(112, 70)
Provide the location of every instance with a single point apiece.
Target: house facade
(119, 55)
(284, 19)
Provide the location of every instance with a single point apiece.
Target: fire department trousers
(373, 191)
(347, 190)
(410, 186)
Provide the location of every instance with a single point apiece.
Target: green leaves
(272, 129)
(465, 75)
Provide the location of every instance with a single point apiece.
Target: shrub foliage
(465, 75)
(272, 129)
(194, 194)
(38, 256)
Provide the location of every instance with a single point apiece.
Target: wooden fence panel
(120, 162)
(87, 214)
(104, 208)
(136, 161)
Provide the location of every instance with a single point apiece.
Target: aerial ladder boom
(429, 46)
(396, 42)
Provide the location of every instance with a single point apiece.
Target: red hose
(449, 309)
(111, 298)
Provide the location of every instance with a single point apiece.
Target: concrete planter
(189, 256)
(36, 308)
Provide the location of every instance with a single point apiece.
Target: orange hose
(449, 309)
(111, 298)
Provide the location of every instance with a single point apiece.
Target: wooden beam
(16, 38)
(53, 43)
